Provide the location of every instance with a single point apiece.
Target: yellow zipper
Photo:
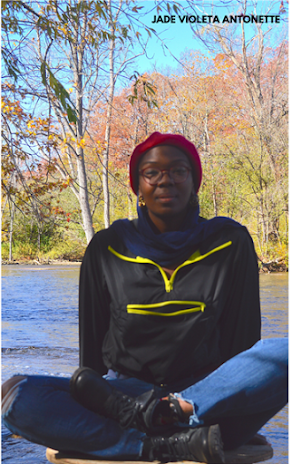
(195, 257)
(143, 308)
(141, 260)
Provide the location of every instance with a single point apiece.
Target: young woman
(170, 317)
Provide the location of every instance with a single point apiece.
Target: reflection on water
(40, 336)
(274, 303)
(41, 303)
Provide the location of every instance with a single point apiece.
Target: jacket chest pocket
(166, 308)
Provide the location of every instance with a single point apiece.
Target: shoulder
(102, 236)
(101, 241)
(96, 255)
(113, 236)
(225, 230)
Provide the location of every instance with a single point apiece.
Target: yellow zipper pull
(168, 285)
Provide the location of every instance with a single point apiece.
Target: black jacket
(136, 321)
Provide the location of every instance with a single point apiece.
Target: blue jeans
(241, 395)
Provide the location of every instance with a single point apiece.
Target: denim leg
(44, 412)
(241, 395)
(245, 392)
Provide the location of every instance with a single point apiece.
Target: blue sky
(179, 36)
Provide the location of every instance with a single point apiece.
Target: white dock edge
(247, 454)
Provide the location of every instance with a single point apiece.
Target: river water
(40, 336)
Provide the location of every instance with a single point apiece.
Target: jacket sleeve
(94, 312)
(240, 324)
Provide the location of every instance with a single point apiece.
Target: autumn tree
(130, 110)
(75, 55)
(80, 48)
(206, 102)
(29, 184)
(256, 55)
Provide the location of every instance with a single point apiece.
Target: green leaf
(176, 9)
(65, 18)
(100, 11)
(71, 115)
(43, 73)
(11, 64)
(59, 91)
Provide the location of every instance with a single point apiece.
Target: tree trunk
(214, 197)
(83, 197)
(106, 207)
(78, 58)
(259, 233)
(39, 241)
(11, 231)
(108, 130)
(263, 220)
(130, 214)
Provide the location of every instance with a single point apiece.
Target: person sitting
(172, 364)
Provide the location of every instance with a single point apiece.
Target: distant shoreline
(34, 262)
(264, 268)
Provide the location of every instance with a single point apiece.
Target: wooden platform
(248, 454)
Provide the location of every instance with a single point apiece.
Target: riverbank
(44, 262)
(276, 265)
(272, 266)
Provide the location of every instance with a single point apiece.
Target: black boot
(145, 413)
(201, 444)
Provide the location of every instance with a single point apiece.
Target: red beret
(175, 140)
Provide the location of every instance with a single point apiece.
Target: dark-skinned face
(166, 201)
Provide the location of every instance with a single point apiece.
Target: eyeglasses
(177, 174)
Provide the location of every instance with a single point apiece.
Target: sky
(179, 36)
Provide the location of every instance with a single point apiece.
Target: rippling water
(40, 336)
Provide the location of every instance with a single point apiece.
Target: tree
(232, 105)
(83, 40)
(206, 102)
(79, 44)
(29, 184)
(257, 53)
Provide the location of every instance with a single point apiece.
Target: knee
(10, 383)
(9, 389)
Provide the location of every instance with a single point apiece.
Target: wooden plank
(57, 457)
(247, 454)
